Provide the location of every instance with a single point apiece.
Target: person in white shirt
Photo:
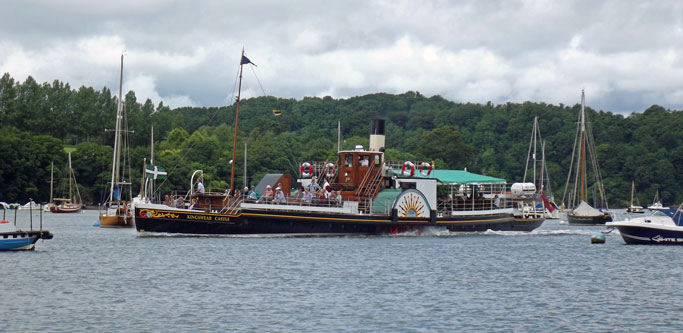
(200, 187)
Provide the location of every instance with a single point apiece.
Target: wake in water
(418, 232)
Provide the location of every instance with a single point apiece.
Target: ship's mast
(117, 138)
(237, 114)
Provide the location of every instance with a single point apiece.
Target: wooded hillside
(38, 120)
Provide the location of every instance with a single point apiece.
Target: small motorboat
(658, 228)
(13, 239)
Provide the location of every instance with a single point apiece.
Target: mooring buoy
(597, 238)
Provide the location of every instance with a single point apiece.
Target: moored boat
(72, 203)
(31, 205)
(116, 212)
(13, 239)
(655, 229)
(543, 192)
(657, 204)
(634, 209)
(581, 212)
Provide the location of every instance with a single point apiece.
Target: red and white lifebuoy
(408, 169)
(425, 169)
(330, 169)
(306, 169)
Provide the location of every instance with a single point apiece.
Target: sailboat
(116, 211)
(581, 212)
(542, 183)
(657, 204)
(634, 208)
(73, 203)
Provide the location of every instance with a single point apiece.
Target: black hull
(269, 222)
(527, 224)
(588, 220)
(650, 235)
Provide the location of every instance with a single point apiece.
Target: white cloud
(187, 52)
(145, 87)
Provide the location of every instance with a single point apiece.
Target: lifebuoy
(409, 167)
(306, 169)
(425, 165)
(330, 169)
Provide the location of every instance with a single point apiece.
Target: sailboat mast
(237, 114)
(535, 134)
(52, 179)
(71, 173)
(541, 179)
(151, 161)
(582, 151)
(117, 137)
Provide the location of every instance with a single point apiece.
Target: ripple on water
(92, 279)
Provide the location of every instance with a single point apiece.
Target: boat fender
(96, 224)
(425, 169)
(306, 169)
(330, 168)
(408, 168)
(3, 222)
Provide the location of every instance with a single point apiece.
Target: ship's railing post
(41, 217)
(30, 212)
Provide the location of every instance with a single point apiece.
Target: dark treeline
(38, 120)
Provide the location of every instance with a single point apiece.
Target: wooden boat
(361, 193)
(581, 212)
(634, 209)
(73, 203)
(116, 212)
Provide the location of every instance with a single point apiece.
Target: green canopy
(458, 177)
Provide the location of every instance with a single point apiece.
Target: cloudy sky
(627, 55)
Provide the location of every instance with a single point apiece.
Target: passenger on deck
(181, 202)
(314, 187)
(193, 204)
(333, 197)
(280, 196)
(269, 194)
(200, 186)
(253, 196)
(339, 198)
(167, 200)
(327, 188)
(306, 197)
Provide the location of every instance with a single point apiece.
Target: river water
(93, 279)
